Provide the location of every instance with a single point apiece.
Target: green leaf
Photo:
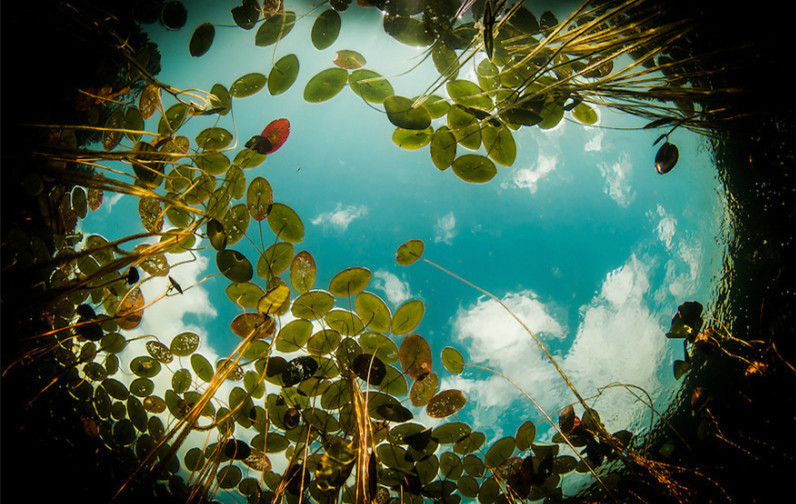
(244, 294)
(499, 452)
(350, 281)
(408, 30)
(184, 344)
(412, 139)
(247, 85)
(213, 163)
(345, 322)
(499, 144)
(145, 366)
(283, 74)
(409, 252)
(173, 118)
(234, 265)
(142, 387)
(248, 158)
(525, 435)
(285, 223)
(302, 271)
(445, 60)
(350, 60)
(443, 148)
(474, 168)
(445, 403)
(325, 29)
(236, 221)
(275, 28)
(111, 139)
(375, 91)
(373, 312)
(380, 346)
(452, 360)
(133, 120)
(407, 317)
(424, 388)
(293, 335)
(464, 127)
(247, 14)
(468, 94)
(585, 114)
(275, 260)
(259, 198)
(401, 113)
(202, 367)
(202, 39)
(450, 433)
(552, 113)
(312, 304)
(220, 99)
(213, 139)
(325, 85)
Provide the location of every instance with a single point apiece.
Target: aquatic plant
(338, 407)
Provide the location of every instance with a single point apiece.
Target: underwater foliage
(339, 406)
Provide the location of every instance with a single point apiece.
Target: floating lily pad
(213, 139)
(499, 144)
(407, 317)
(345, 322)
(133, 120)
(275, 28)
(247, 85)
(379, 345)
(499, 452)
(468, 94)
(350, 60)
(259, 198)
(325, 29)
(412, 139)
(373, 312)
(474, 168)
(423, 389)
(409, 252)
(159, 351)
(302, 271)
(202, 39)
(111, 138)
(244, 294)
(149, 100)
(443, 148)
(464, 126)
(236, 222)
(298, 370)
(408, 30)
(173, 118)
(452, 360)
(184, 344)
(402, 113)
(234, 265)
(445, 403)
(350, 281)
(275, 260)
(145, 366)
(283, 74)
(369, 368)
(325, 85)
(246, 14)
(585, 114)
(285, 223)
(312, 304)
(130, 309)
(273, 300)
(415, 355)
(370, 86)
(220, 99)
(525, 435)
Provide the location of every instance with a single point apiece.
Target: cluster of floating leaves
(352, 387)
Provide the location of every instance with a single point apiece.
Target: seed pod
(666, 158)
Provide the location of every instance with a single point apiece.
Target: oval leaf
(446, 403)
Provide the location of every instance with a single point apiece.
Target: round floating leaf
(259, 198)
(585, 114)
(350, 60)
(394, 413)
(401, 113)
(216, 234)
(345, 322)
(337, 395)
(133, 120)
(552, 113)
(467, 486)
(173, 15)
(248, 158)
(130, 309)
(244, 294)
(369, 368)
(373, 312)
(234, 265)
(666, 158)
(181, 380)
(159, 351)
(273, 299)
(525, 435)
(474, 168)
(145, 366)
(245, 324)
(228, 476)
(275, 28)
(499, 452)
(293, 335)
(415, 355)
(412, 139)
(220, 99)
(273, 136)
(154, 404)
(464, 126)
(202, 367)
(468, 94)
(409, 252)
(202, 39)
(446, 61)
(116, 389)
(111, 138)
(443, 148)
(407, 317)
(275, 260)
(298, 370)
(247, 85)
(213, 139)
(151, 214)
(184, 344)
(283, 74)
(149, 100)
(312, 304)
(470, 444)
(379, 345)
(325, 85)
(499, 144)
(450, 433)
(450, 466)
(445, 403)
(325, 29)
(370, 86)
(285, 223)
(172, 119)
(350, 281)
(452, 360)
(423, 389)
(408, 30)
(142, 387)
(302, 271)
(246, 14)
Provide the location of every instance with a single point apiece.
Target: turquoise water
(580, 237)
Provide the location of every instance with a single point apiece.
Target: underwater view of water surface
(393, 251)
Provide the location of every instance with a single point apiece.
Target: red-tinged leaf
(276, 133)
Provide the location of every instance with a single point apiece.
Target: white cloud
(396, 290)
(111, 200)
(341, 217)
(617, 185)
(445, 229)
(666, 226)
(530, 177)
(595, 144)
(618, 340)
